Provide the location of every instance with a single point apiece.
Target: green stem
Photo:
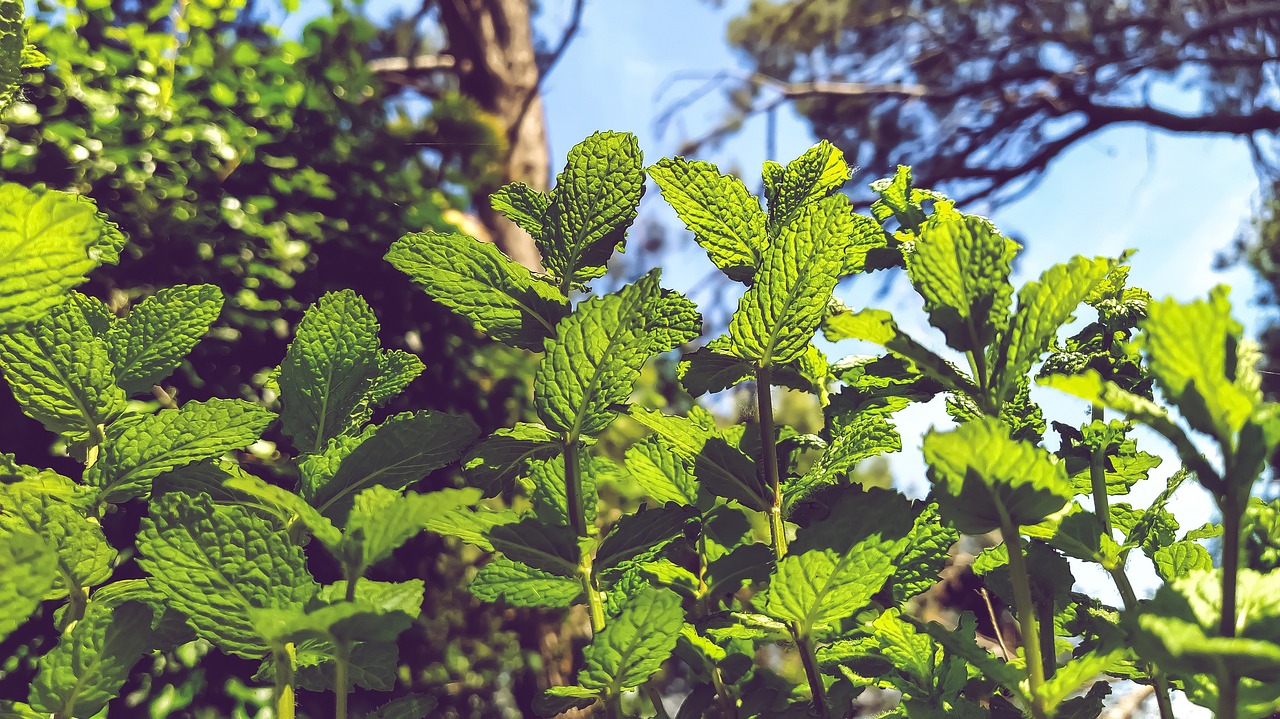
(613, 705)
(655, 698)
(286, 659)
(728, 707)
(1026, 610)
(809, 658)
(1158, 678)
(764, 408)
(1228, 681)
(573, 487)
(594, 602)
(1098, 480)
(341, 685)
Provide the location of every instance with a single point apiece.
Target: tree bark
(492, 44)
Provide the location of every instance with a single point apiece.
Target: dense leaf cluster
(758, 579)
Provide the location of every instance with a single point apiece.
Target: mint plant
(759, 572)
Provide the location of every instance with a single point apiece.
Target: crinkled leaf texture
(84, 558)
(328, 370)
(595, 359)
(136, 452)
(29, 566)
(779, 314)
(474, 279)
(218, 563)
(91, 663)
(49, 240)
(718, 209)
(960, 266)
(494, 464)
(60, 371)
(835, 566)
(634, 644)
(523, 586)
(592, 205)
(979, 471)
(150, 342)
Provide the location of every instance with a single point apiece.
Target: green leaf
(519, 585)
(1180, 559)
(328, 369)
(1191, 351)
(60, 373)
(494, 464)
(835, 566)
(558, 700)
(91, 663)
(963, 643)
(546, 488)
(864, 436)
(980, 472)
(382, 519)
(779, 314)
(473, 527)
(595, 359)
(549, 547)
(634, 644)
(287, 506)
(813, 176)
(524, 206)
(898, 199)
(1076, 673)
(639, 536)
(13, 43)
(1178, 628)
(217, 564)
(395, 454)
(1043, 307)
(751, 562)
(909, 651)
(84, 558)
(718, 209)
(474, 279)
(662, 472)
(49, 240)
(29, 565)
(960, 266)
(927, 553)
(151, 341)
(592, 205)
(720, 467)
(136, 452)
(396, 369)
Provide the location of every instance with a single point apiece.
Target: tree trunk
(492, 44)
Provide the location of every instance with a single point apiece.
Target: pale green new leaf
(153, 338)
(910, 651)
(84, 558)
(596, 357)
(523, 205)
(474, 279)
(29, 565)
(136, 452)
(328, 369)
(519, 585)
(497, 461)
(897, 200)
(634, 644)
(558, 700)
(1177, 560)
(813, 176)
(592, 205)
(960, 266)
(216, 564)
(91, 663)
(718, 209)
(60, 372)
(979, 470)
(49, 240)
(1191, 352)
(779, 314)
(395, 454)
(1044, 306)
